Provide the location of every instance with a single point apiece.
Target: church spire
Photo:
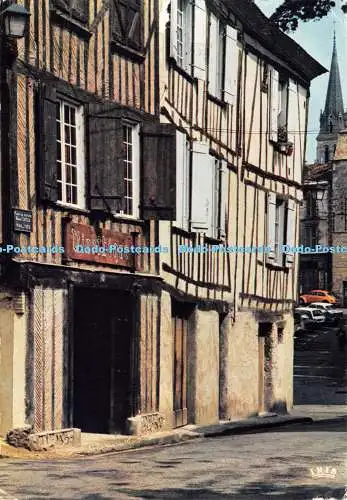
(334, 100)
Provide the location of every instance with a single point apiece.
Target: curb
(245, 427)
(150, 441)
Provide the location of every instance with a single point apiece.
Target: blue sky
(316, 37)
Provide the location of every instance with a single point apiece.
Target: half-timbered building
(237, 91)
(79, 94)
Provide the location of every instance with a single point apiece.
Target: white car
(309, 317)
(332, 313)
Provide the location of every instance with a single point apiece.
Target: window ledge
(128, 52)
(182, 71)
(66, 21)
(216, 100)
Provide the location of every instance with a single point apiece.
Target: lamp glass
(15, 24)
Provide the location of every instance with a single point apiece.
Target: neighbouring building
(323, 197)
(339, 219)
(236, 89)
(157, 127)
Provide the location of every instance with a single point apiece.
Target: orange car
(317, 296)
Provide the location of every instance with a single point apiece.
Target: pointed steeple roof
(334, 99)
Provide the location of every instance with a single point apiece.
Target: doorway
(101, 359)
(265, 384)
(180, 324)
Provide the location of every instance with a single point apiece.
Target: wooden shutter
(271, 229)
(224, 199)
(293, 121)
(202, 187)
(291, 230)
(213, 55)
(173, 29)
(231, 65)
(127, 23)
(47, 142)
(182, 184)
(274, 103)
(199, 43)
(106, 157)
(74, 8)
(159, 171)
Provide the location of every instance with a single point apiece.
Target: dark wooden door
(101, 360)
(180, 335)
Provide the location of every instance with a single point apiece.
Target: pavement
(98, 444)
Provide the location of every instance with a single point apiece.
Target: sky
(316, 37)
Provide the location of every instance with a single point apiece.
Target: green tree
(288, 15)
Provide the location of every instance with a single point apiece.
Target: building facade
(323, 197)
(171, 130)
(239, 105)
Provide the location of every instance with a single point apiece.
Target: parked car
(317, 296)
(332, 313)
(307, 318)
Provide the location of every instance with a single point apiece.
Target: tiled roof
(258, 25)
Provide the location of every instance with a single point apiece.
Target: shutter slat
(290, 233)
(159, 171)
(47, 141)
(106, 158)
(271, 230)
(231, 65)
(202, 181)
(274, 103)
(199, 45)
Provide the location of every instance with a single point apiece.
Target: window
(182, 181)
(326, 154)
(70, 154)
(127, 24)
(77, 9)
(184, 27)
(216, 57)
(281, 230)
(282, 111)
(310, 236)
(209, 194)
(131, 169)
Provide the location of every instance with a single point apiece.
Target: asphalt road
(294, 462)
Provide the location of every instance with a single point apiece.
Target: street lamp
(14, 19)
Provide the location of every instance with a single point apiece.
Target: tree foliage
(290, 12)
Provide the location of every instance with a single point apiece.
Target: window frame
(218, 83)
(80, 154)
(136, 154)
(185, 60)
(280, 229)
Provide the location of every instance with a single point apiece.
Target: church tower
(333, 118)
